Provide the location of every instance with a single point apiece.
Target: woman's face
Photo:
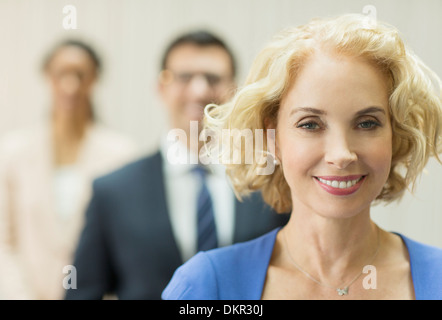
(71, 74)
(334, 137)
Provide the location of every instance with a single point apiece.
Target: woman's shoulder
(426, 271)
(234, 272)
(425, 253)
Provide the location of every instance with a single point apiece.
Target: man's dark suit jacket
(127, 247)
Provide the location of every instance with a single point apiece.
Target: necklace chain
(344, 290)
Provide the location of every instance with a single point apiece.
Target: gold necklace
(341, 291)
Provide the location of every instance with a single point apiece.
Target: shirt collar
(180, 160)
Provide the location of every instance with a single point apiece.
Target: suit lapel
(243, 229)
(253, 217)
(160, 225)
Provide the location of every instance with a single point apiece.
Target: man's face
(194, 77)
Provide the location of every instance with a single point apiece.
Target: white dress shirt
(67, 184)
(182, 187)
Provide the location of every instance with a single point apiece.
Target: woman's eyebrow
(372, 109)
(308, 110)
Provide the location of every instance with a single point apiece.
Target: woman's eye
(369, 124)
(308, 126)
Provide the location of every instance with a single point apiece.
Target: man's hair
(200, 38)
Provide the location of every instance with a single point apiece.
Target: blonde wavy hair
(415, 101)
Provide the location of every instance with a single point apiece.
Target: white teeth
(340, 184)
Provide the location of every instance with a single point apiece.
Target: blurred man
(145, 219)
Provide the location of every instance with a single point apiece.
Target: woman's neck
(331, 250)
(67, 136)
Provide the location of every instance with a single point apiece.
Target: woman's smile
(341, 185)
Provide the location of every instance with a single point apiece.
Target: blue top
(238, 272)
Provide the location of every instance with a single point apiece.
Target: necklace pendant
(342, 292)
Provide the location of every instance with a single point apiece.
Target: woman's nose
(70, 84)
(340, 151)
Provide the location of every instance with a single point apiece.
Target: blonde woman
(356, 116)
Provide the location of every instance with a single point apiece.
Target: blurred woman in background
(46, 174)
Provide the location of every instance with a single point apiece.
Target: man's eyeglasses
(184, 78)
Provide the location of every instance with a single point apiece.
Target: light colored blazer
(36, 242)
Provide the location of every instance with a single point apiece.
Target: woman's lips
(340, 185)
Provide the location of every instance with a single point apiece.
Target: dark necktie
(207, 237)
